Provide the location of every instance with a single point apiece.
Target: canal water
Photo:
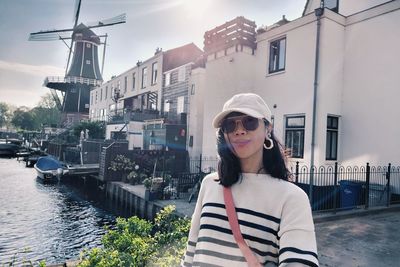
(51, 222)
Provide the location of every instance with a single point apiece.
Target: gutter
(318, 13)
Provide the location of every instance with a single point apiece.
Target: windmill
(83, 73)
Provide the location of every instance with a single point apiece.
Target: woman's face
(244, 141)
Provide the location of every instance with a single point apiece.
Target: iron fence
(333, 187)
(345, 187)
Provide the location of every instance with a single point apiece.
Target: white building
(344, 58)
(148, 100)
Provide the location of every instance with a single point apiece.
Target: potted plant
(154, 187)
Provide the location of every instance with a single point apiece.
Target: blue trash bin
(349, 193)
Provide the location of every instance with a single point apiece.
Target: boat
(49, 168)
(9, 150)
(30, 156)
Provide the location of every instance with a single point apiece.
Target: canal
(51, 222)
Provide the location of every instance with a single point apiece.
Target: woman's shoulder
(288, 188)
(211, 178)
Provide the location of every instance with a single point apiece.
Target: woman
(274, 215)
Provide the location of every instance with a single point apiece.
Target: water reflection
(55, 221)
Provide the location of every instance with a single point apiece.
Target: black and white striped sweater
(274, 217)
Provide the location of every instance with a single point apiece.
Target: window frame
(295, 129)
(332, 138)
(167, 79)
(180, 104)
(154, 73)
(133, 80)
(274, 66)
(144, 77)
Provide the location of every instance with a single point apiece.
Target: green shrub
(138, 242)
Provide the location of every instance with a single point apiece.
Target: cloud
(34, 70)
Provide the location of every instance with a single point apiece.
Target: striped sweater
(274, 217)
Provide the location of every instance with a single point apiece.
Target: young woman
(274, 215)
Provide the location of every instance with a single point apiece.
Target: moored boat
(49, 168)
(8, 149)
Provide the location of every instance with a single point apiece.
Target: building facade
(329, 78)
(148, 104)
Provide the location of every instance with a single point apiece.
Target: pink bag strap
(233, 222)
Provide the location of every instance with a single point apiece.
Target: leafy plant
(137, 242)
(121, 163)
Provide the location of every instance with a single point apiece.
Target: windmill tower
(84, 72)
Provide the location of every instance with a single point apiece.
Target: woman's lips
(240, 143)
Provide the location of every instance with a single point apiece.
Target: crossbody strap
(233, 222)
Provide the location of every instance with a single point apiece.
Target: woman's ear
(268, 129)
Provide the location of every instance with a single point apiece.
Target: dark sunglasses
(249, 123)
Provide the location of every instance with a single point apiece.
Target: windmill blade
(77, 10)
(49, 35)
(108, 22)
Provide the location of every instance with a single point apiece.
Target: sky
(150, 24)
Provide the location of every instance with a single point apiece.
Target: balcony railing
(72, 79)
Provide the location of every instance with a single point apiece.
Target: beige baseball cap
(248, 103)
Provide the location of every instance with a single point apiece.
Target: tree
(46, 116)
(24, 119)
(47, 101)
(4, 114)
(96, 129)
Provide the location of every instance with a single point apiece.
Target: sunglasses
(249, 123)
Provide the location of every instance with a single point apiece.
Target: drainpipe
(318, 12)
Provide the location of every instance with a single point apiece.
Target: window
(96, 97)
(332, 129)
(125, 83)
(193, 90)
(180, 105)
(181, 74)
(101, 94)
(133, 80)
(166, 106)
(144, 77)
(294, 135)
(167, 79)
(105, 97)
(277, 51)
(191, 141)
(154, 73)
(119, 86)
(332, 5)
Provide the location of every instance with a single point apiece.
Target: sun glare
(196, 8)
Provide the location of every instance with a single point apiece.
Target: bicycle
(196, 188)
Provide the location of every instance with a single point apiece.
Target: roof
(179, 56)
(87, 34)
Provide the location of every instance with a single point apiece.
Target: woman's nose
(239, 128)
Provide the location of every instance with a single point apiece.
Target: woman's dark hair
(229, 169)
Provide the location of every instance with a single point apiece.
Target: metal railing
(343, 187)
(72, 79)
(329, 188)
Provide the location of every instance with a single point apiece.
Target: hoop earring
(271, 143)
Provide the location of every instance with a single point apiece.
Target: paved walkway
(360, 240)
